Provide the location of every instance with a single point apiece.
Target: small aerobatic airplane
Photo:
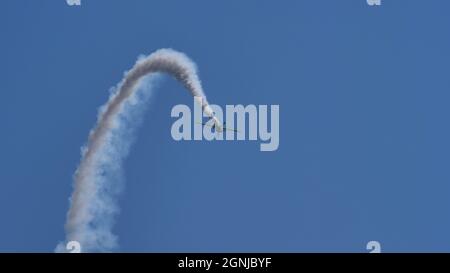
(216, 126)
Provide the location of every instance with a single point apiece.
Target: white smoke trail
(97, 178)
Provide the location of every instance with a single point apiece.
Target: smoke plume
(97, 180)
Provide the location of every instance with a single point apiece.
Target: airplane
(217, 126)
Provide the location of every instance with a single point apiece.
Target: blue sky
(363, 95)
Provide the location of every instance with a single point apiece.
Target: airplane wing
(231, 129)
(224, 128)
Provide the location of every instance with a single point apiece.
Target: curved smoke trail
(90, 218)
